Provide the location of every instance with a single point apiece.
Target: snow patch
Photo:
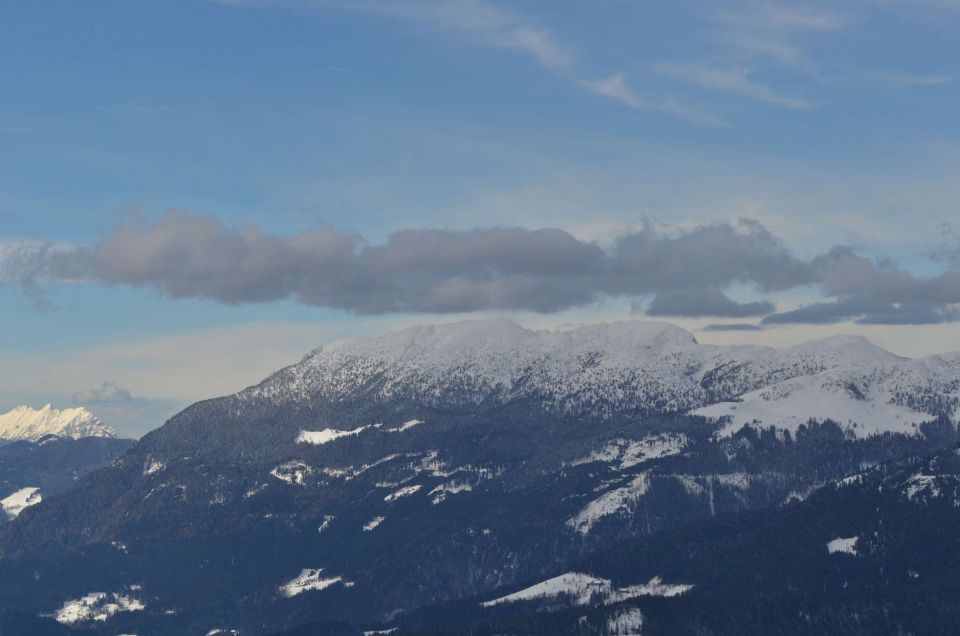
(629, 452)
(96, 606)
(922, 487)
(619, 501)
(845, 545)
(583, 589)
(403, 492)
(440, 493)
(153, 467)
(310, 580)
(327, 435)
(293, 472)
(580, 588)
(325, 524)
(14, 504)
(406, 426)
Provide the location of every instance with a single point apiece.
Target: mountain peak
(858, 350)
(28, 423)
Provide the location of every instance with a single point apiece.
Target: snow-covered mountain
(508, 454)
(31, 424)
(629, 367)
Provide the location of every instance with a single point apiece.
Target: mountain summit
(613, 369)
(25, 423)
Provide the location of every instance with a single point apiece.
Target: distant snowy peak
(25, 423)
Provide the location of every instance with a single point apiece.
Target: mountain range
(479, 477)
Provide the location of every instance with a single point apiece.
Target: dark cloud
(875, 292)
(866, 312)
(704, 302)
(29, 264)
(949, 249)
(739, 326)
(439, 270)
(436, 271)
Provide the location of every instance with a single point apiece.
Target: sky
(195, 193)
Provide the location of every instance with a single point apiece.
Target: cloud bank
(685, 273)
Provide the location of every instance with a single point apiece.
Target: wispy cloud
(729, 80)
(483, 23)
(615, 87)
(774, 37)
(906, 80)
(773, 16)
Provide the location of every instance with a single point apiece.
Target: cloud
(27, 263)
(475, 20)
(615, 87)
(866, 312)
(486, 24)
(737, 326)
(729, 80)
(436, 271)
(106, 393)
(704, 302)
(949, 249)
(907, 80)
(130, 416)
(772, 16)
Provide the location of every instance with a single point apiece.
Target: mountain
(640, 368)
(25, 423)
(462, 463)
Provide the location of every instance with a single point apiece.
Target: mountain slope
(873, 553)
(501, 451)
(30, 471)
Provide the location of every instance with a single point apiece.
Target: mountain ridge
(587, 370)
(27, 423)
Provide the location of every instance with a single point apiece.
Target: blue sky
(829, 123)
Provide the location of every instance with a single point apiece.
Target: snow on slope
(326, 436)
(14, 504)
(866, 400)
(619, 501)
(26, 423)
(633, 367)
(843, 545)
(583, 589)
(631, 452)
(96, 606)
(309, 579)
